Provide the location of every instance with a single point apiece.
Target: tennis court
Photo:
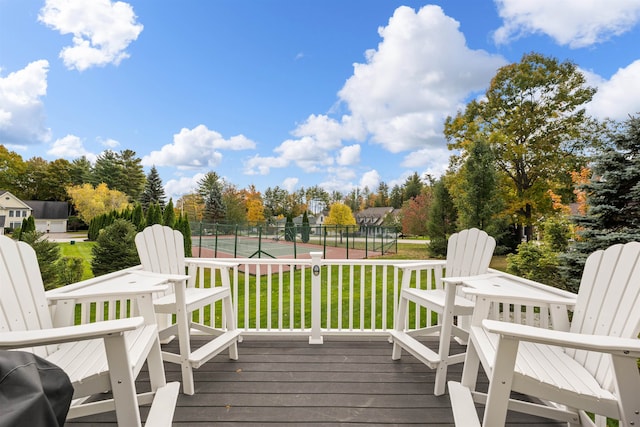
(255, 247)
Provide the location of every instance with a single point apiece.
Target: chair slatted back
(608, 303)
(469, 253)
(161, 249)
(23, 305)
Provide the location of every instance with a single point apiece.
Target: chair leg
(157, 376)
(495, 412)
(227, 307)
(122, 381)
(184, 338)
(399, 324)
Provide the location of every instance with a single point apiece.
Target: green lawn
(79, 250)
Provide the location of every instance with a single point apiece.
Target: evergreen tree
(48, 253)
(169, 215)
(153, 190)
(137, 217)
(115, 248)
(154, 214)
(306, 229)
(412, 186)
(210, 188)
(289, 229)
(613, 198)
(442, 219)
(182, 225)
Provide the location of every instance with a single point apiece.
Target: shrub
(115, 248)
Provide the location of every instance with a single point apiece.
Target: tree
(289, 229)
(305, 230)
(80, 171)
(120, 171)
(412, 186)
(191, 206)
(210, 189)
(182, 225)
(613, 200)
(442, 219)
(153, 190)
(340, 214)
(396, 197)
(475, 190)
(169, 215)
(48, 254)
(275, 201)
(115, 248)
(11, 168)
(415, 214)
(235, 203)
(90, 202)
(154, 215)
(382, 195)
(255, 208)
(534, 120)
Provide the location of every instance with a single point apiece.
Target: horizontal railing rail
(316, 297)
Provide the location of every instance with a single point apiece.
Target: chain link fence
(278, 240)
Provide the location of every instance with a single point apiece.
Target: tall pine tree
(153, 190)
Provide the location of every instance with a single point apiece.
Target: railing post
(316, 297)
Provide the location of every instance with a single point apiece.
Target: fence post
(316, 297)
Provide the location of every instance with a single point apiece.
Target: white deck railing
(318, 297)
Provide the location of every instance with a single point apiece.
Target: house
(372, 217)
(12, 211)
(49, 216)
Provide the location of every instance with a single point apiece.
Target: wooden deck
(290, 382)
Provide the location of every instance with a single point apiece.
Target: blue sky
(335, 93)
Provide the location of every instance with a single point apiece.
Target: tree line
(528, 164)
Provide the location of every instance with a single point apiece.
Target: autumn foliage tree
(340, 215)
(534, 120)
(90, 202)
(415, 214)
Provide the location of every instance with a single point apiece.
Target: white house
(12, 211)
(49, 216)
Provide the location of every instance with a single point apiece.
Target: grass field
(79, 250)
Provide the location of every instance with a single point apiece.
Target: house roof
(373, 216)
(48, 209)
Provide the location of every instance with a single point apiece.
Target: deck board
(290, 382)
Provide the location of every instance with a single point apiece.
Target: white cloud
(176, 188)
(70, 147)
(22, 118)
(349, 155)
(290, 183)
(370, 180)
(576, 23)
(419, 74)
(258, 165)
(618, 97)
(102, 30)
(196, 148)
(109, 143)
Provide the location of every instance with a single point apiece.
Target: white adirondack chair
(97, 357)
(161, 250)
(469, 253)
(589, 367)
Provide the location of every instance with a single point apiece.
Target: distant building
(12, 211)
(372, 217)
(49, 216)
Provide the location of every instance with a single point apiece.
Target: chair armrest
(168, 277)
(89, 331)
(421, 265)
(461, 279)
(95, 294)
(207, 262)
(629, 347)
(504, 296)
